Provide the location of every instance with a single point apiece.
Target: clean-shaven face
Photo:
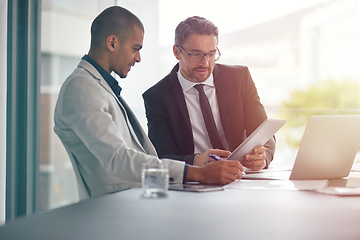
(128, 53)
(194, 43)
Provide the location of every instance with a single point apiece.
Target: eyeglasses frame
(204, 54)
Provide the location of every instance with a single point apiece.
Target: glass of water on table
(155, 179)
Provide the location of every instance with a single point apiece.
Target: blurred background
(304, 58)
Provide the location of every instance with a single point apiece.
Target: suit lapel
(176, 92)
(137, 134)
(127, 115)
(221, 94)
(136, 129)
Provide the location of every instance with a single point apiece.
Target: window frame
(22, 114)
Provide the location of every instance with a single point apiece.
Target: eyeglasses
(198, 57)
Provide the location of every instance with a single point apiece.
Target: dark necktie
(208, 118)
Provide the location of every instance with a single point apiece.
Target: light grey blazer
(95, 130)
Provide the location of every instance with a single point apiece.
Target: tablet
(195, 187)
(258, 138)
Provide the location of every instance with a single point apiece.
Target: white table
(228, 214)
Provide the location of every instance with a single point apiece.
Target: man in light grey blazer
(102, 136)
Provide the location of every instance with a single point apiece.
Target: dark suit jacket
(168, 120)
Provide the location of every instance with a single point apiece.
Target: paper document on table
(268, 174)
(340, 191)
(277, 184)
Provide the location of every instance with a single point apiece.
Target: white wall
(3, 35)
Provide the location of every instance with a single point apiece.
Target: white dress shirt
(200, 135)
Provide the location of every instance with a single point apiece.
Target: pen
(215, 157)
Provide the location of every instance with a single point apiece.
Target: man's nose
(205, 60)
(137, 57)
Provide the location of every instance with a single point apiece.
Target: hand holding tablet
(258, 138)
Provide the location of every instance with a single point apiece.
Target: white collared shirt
(200, 135)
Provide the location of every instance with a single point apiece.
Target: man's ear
(176, 52)
(111, 43)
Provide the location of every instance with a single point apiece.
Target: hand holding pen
(202, 159)
(217, 158)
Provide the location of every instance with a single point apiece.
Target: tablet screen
(259, 137)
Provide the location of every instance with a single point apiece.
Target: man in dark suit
(177, 126)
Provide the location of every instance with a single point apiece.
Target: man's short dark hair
(116, 21)
(194, 25)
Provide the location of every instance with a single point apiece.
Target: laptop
(327, 150)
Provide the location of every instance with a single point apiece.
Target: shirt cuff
(186, 168)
